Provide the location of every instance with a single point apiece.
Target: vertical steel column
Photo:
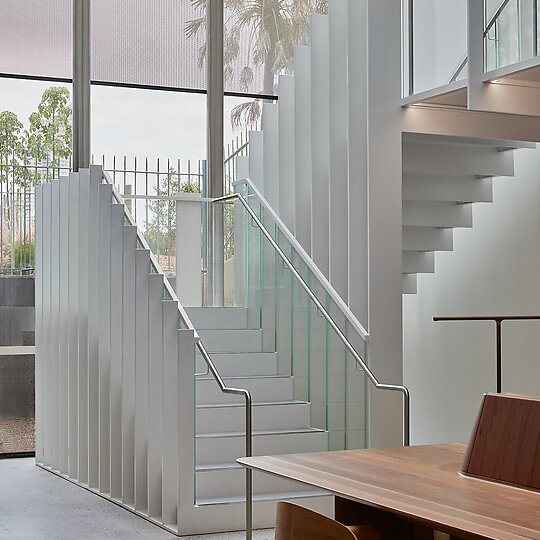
(81, 84)
(214, 149)
(411, 46)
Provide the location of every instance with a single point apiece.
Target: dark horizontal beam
(490, 318)
(63, 80)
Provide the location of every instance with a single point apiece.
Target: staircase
(442, 178)
(281, 424)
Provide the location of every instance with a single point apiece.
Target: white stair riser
(233, 483)
(241, 364)
(427, 239)
(454, 215)
(465, 189)
(418, 262)
(218, 318)
(456, 159)
(263, 389)
(227, 449)
(239, 341)
(283, 416)
(409, 283)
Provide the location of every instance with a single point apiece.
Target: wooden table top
(421, 483)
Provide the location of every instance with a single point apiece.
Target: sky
(132, 122)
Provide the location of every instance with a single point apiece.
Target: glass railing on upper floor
(435, 39)
(510, 32)
(434, 43)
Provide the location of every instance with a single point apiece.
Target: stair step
(232, 341)
(446, 187)
(440, 158)
(237, 364)
(227, 447)
(285, 414)
(218, 318)
(437, 214)
(427, 239)
(266, 497)
(231, 482)
(262, 389)
(418, 262)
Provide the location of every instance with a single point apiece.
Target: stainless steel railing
(380, 386)
(211, 368)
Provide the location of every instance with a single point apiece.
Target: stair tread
(260, 432)
(244, 377)
(263, 497)
(255, 404)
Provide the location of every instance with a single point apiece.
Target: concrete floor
(38, 505)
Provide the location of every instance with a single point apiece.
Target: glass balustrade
(309, 349)
(510, 33)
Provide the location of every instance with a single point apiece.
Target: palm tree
(273, 28)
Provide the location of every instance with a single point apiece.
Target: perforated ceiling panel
(133, 42)
(35, 37)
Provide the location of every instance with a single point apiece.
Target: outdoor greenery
(161, 229)
(274, 27)
(47, 139)
(28, 157)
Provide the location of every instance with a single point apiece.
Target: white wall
(440, 41)
(494, 269)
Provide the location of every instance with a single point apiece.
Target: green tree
(50, 126)
(161, 229)
(10, 144)
(274, 27)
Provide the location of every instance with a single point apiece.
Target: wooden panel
(420, 484)
(505, 444)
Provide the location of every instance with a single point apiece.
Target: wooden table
(409, 492)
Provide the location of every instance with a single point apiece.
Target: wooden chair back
(505, 442)
(295, 522)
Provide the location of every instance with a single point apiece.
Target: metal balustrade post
(214, 149)
(81, 84)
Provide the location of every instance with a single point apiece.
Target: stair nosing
(259, 433)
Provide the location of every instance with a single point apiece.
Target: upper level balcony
(454, 53)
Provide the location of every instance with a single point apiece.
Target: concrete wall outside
(494, 269)
(17, 398)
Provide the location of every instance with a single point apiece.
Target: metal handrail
(249, 434)
(349, 315)
(380, 386)
(489, 25)
(211, 368)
